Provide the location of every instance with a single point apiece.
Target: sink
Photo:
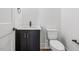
(29, 28)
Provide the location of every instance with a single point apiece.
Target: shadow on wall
(63, 41)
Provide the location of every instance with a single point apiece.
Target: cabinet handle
(25, 35)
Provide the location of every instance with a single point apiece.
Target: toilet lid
(56, 44)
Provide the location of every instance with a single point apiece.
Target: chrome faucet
(30, 23)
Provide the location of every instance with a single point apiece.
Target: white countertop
(28, 28)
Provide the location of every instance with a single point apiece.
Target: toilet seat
(56, 45)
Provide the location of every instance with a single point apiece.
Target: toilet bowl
(54, 44)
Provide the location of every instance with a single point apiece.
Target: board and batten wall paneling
(6, 27)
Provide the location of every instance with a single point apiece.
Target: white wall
(70, 27)
(49, 17)
(30, 14)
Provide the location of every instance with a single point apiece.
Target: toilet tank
(52, 34)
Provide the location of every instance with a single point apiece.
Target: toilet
(54, 44)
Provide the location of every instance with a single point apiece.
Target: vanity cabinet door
(34, 40)
(22, 40)
(24, 44)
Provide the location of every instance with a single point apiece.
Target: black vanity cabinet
(27, 40)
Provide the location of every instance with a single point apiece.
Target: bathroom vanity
(27, 39)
